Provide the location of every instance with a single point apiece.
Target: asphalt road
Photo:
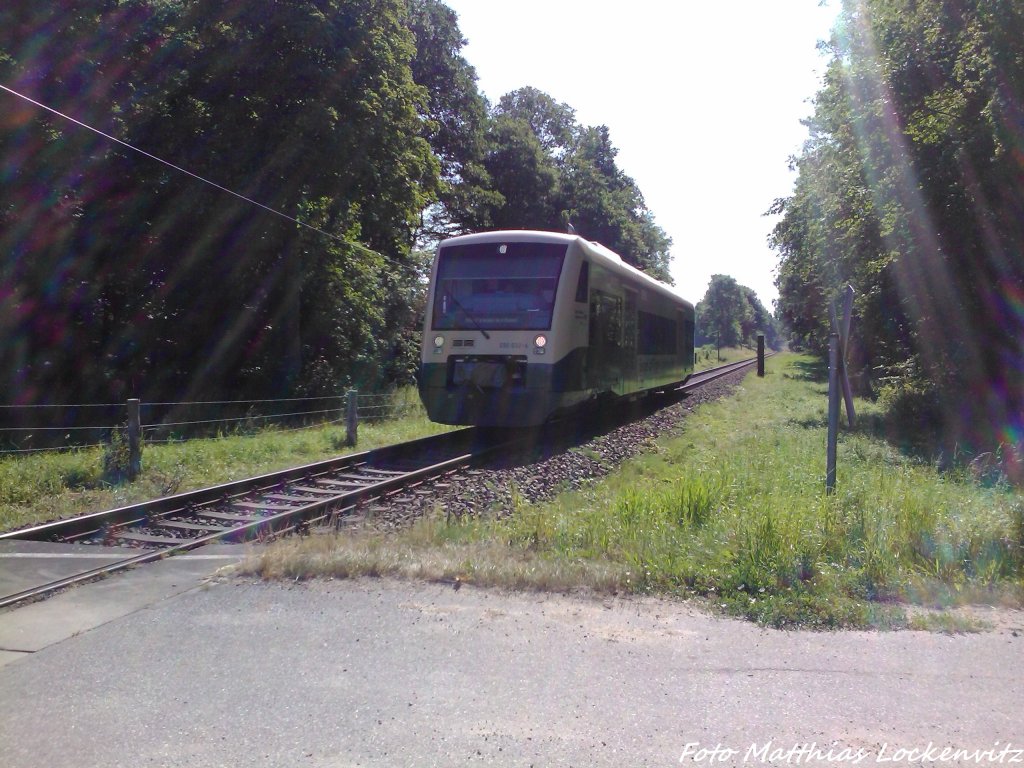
(379, 673)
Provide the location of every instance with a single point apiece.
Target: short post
(351, 418)
(833, 413)
(760, 355)
(134, 439)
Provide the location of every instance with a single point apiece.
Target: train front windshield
(497, 286)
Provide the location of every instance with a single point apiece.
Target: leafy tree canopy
(731, 315)
(909, 189)
(146, 282)
(551, 171)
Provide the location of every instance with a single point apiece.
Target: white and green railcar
(523, 325)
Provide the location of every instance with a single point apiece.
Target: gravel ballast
(498, 490)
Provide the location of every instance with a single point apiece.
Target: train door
(604, 357)
(629, 332)
(684, 340)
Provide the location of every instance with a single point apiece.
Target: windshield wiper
(471, 318)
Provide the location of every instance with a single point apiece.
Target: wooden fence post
(833, 413)
(351, 418)
(134, 439)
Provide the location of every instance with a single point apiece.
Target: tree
(551, 171)
(552, 123)
(454, 120)
(907, 189)
(167, 288)
(525, 177)
(723, 312)
(757, 321)
(606, 205)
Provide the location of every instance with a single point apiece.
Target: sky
(704, 102)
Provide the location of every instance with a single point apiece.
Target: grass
(433, 550)
(950, 623)
(709, 357)
(48, 486)
(732, 511)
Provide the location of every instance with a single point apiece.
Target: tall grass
(733, 510)
(709, 356)
(45, 486)
(741, 516)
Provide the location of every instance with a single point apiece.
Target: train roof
(593, 248)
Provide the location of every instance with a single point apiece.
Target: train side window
(605, 320)
(657, 335)
(583, 286)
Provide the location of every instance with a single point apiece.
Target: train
(522, 326)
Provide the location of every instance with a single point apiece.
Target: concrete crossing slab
(31, 628)
(26, 564)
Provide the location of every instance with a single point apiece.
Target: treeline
(911, 188)
(122, 277)
(731, 315)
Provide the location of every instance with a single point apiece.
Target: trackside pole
(760, 355)
(351, 418)
(844, 341)
(134, 440)
(833, 413)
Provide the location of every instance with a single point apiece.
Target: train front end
(493, 336)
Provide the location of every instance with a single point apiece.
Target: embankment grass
(731, 511)
(709, 357)
(47, 486)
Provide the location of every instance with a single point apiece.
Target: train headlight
(539, 344)
(438, 345)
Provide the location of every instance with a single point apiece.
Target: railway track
(339, 490)
(342, 491)
(704, 377)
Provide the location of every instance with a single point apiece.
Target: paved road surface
(379, 673)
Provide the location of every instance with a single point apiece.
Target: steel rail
(90, 524)
(701, 378)
(282, 522)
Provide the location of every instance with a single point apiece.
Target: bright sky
(703, 101)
